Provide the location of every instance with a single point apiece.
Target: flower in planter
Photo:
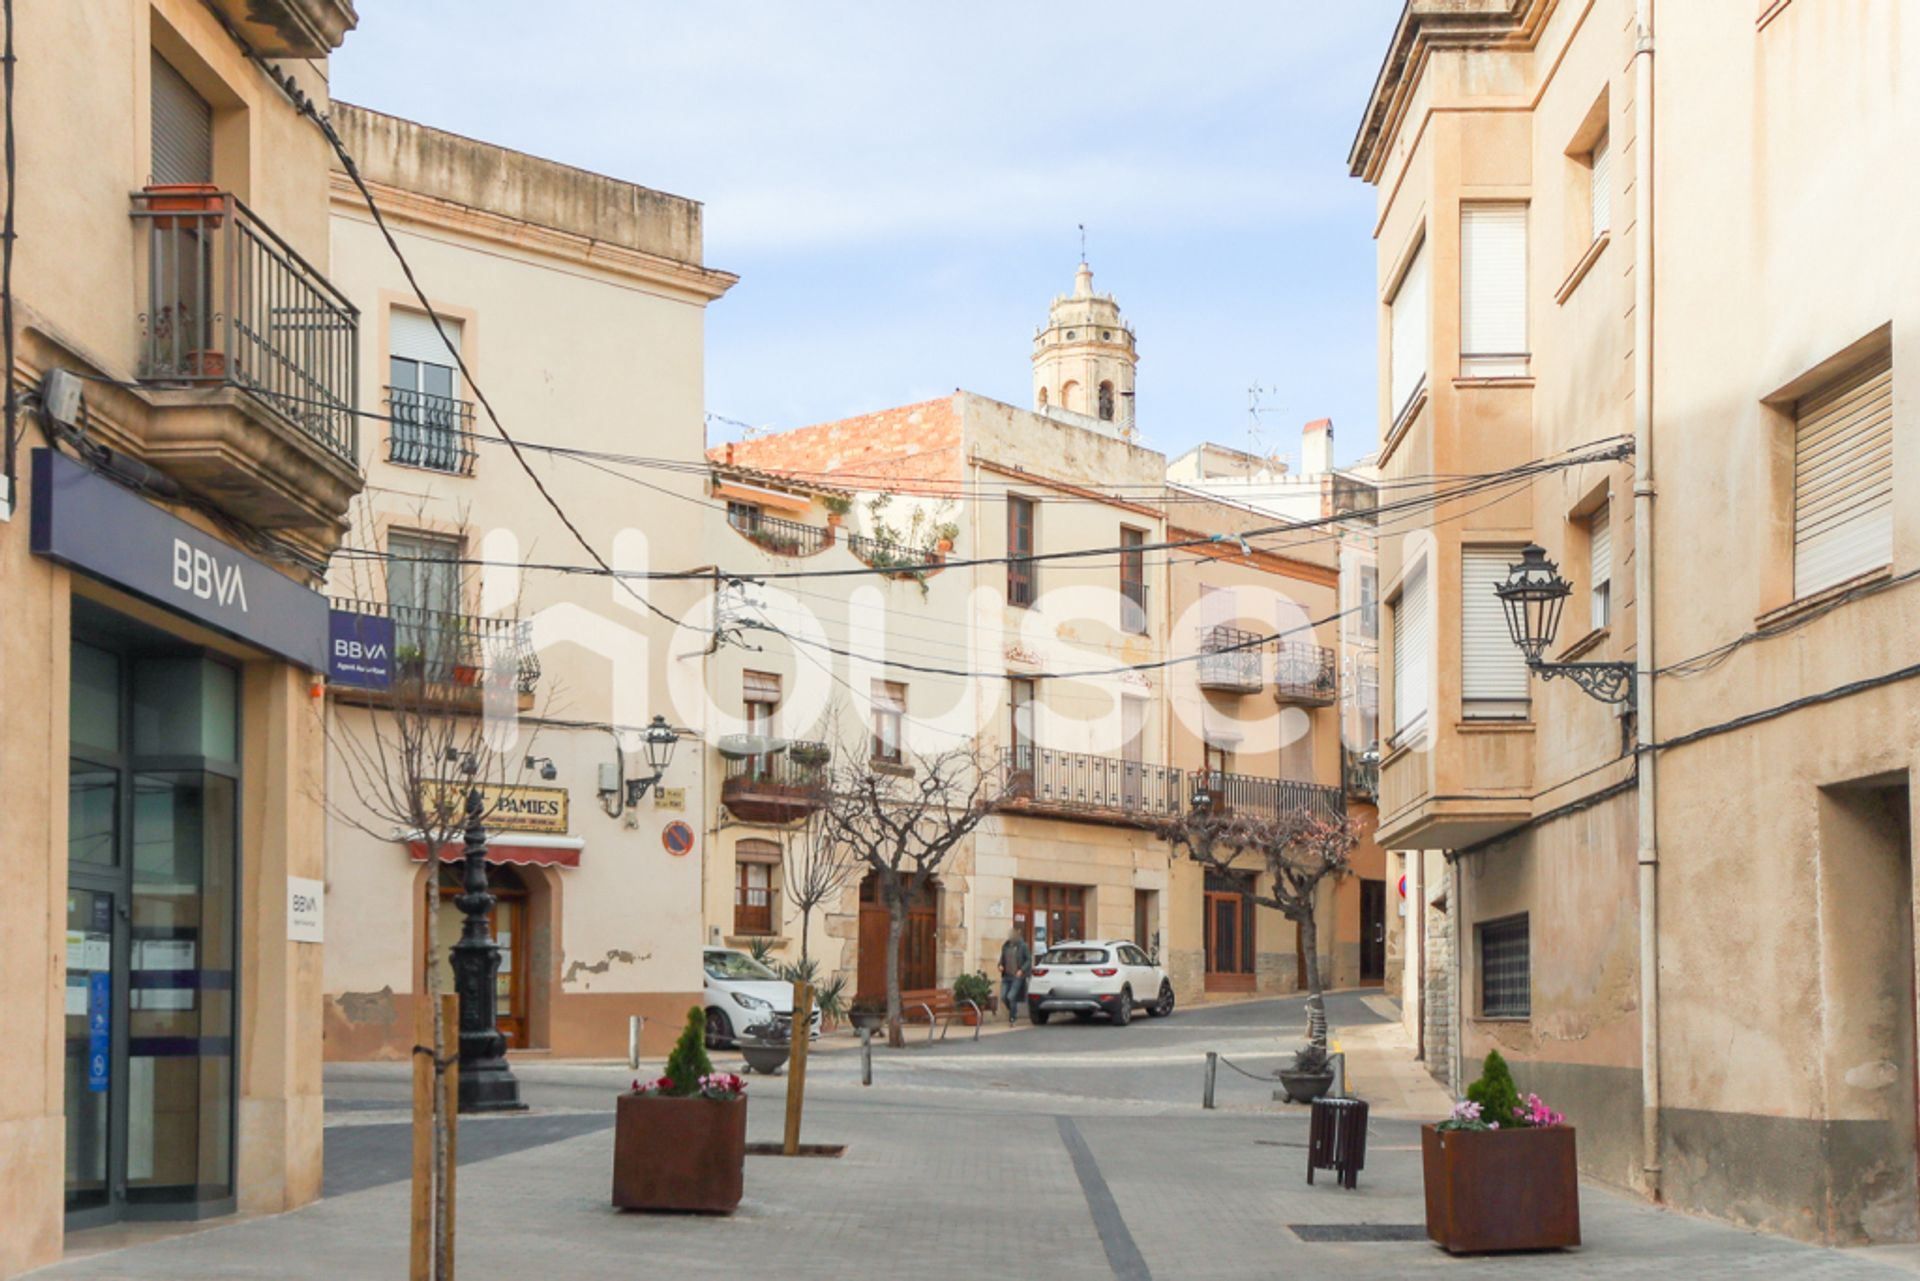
(722, 1086)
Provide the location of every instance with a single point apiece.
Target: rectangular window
(760, 692)
(1020, 707)
(1369, 602)
(744, 517)
(1493, 291)
(1843, 478)
(1600, 573)
(1600, 187)
(1049, 914)
(429, 422)
(424, 596)
(1493, 671)
(889, 715)
(753, 898)
(1407, 358)
(1506, 969)
(1133, 581)
(1412, 638)
(182, 123)
(1019, 547)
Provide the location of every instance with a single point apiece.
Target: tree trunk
(1316, 1003)
(806, 929)
(896, 927)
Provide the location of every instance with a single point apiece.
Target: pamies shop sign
(508, 809)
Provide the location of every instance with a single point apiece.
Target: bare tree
(1298, 849)
(415, 754)
(902, 823)
(818, 865)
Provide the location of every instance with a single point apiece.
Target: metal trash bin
(1337, 1139)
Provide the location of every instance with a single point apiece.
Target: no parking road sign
(677, 837)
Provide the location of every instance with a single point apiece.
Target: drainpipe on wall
(1643, 600)
(1417, 935)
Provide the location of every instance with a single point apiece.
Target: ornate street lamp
(1533, 596)
(660, 738)
(487, 1084)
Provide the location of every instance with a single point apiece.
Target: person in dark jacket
(1015, 961)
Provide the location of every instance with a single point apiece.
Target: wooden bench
(939, 1009)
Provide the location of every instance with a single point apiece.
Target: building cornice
(1426, 25)
(1256, 558)
(654, 270)
(1065, 487)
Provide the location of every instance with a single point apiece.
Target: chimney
(1316, 447)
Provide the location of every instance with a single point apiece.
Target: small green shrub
(1495, 1092)
(973, 987)
(689, 1062)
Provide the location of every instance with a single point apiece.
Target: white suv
(1110, 977)
(742, 994)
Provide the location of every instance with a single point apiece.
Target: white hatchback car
(1110, 977)
(741, 994)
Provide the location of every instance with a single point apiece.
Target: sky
(899, 186)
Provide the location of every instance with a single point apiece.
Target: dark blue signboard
(99, 1029)
(359, 650)
(88, 522)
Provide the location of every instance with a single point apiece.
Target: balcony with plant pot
(773, 780)
(1258, 797)
(1305, 675)
(444, 658)
(248, 364)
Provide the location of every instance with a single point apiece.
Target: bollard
(1339, 1088)
(635, 1023)
(866, 1056)
(1213, 1066)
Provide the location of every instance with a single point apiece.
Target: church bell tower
(1084, 357)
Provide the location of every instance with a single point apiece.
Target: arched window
(1106, 402)
(1043, 398)
(1070, 397)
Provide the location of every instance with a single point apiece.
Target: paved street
(1075, 1151)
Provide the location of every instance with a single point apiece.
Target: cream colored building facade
(164, 530)
(1595, 226)
(986, 648)
(577, 303)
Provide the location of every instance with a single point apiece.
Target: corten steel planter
(1490, 1190)
(679, 1154)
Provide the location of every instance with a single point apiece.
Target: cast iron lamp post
(487, 1084)
(1533, 596)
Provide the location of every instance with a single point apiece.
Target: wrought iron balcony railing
(1267, 797)
(229, 303)
(1098, 788)
(882, 554)
(434, 432)
(447, 650)
(1230, 660)
(1359, 776)
(778, 535)
(1305, 673)
(777, 787)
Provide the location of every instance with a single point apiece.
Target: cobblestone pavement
(1058, 1153)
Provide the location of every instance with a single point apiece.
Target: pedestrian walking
(1015, 961)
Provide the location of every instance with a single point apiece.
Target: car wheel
(1123, 1008)
(1164, 1006)
(1039, 1016)
(719, 1030)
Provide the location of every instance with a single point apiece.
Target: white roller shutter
(1843, 479)
(182, 128)
(411, 336)
(1601, 192)
(1493, 291)
(1600, 565)
(1412, 646)
(1409, 340)
(1493, 671)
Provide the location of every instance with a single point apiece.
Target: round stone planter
(1305, 1087)
(765, 1059)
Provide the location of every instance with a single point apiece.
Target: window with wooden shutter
(889, 716)
(1843, 479)
(1412, 640)
(1600, 188)
(182, 128)
(1020, 576)
(1600, 566)
(1407, 357)
(1493, 671)
(1493, 291)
